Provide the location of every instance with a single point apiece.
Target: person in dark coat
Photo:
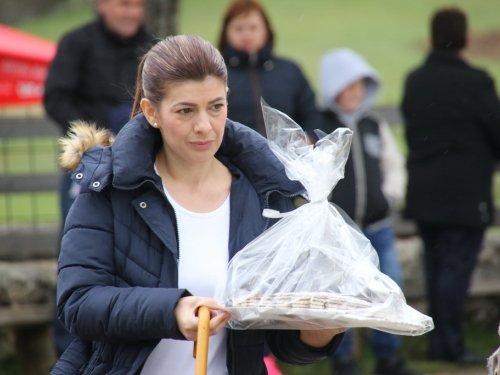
(452, 119)
(162, 210)
(246, 42)
(91, 78)
(93, 73)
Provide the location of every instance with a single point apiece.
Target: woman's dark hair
(175, 59)
(237, 8)
(449, 29)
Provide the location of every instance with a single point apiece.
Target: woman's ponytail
(139, 95)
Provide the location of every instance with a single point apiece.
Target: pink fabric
(272, 369)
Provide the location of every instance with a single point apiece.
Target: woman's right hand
(186, 314)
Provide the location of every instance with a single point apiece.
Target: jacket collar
(134, 154)
(445, 57)
(242, 149)
(236, 58)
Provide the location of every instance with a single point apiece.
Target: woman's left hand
(321, 337)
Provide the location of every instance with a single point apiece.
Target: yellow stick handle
(201, 343)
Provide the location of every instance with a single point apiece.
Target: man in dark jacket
(452, 118)
(91, 78)
(95, 67)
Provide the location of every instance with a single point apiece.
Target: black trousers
(449, 259)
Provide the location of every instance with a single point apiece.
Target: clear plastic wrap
(312, 270)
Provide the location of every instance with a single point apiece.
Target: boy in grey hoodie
(374, 183)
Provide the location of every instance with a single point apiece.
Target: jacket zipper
(358, 162)
(176, 231)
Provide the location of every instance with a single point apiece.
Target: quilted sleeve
(88, 302)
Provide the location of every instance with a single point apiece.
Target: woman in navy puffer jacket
(129, 270)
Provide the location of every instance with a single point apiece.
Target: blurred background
(393, 35)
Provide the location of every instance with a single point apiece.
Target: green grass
(25, 156)
(53, 25)
(29, 208)
(21, 157)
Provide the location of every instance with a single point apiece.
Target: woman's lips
(201, 145)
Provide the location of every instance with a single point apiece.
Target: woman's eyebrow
(188, 104)
(185, 104)
(216, 99)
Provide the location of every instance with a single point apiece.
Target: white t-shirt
(203, 258)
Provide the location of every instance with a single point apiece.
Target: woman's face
(247, 32)
(191, 118)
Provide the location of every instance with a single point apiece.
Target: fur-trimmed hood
(128, 161)
(81, 137)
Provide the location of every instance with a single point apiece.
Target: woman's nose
(203, 124)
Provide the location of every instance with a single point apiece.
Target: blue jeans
(382, 343)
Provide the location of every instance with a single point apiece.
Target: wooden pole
(201, 343)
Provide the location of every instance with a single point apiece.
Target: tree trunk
(161, 17)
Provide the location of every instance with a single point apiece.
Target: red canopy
(24, 60)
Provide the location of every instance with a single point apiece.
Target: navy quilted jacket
(117, 286)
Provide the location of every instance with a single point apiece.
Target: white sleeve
(392, 166)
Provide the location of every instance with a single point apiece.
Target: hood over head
(339, 68)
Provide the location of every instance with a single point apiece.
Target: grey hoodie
(340, 68)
